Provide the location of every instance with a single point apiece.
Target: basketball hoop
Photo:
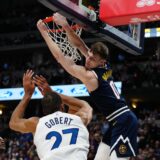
(59, 36)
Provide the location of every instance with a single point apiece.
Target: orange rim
(50, 19)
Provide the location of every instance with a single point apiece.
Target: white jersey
(61, 136)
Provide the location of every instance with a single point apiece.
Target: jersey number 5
(58, 136)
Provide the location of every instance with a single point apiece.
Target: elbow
(88, 107)
(91, 110)
(11, 125)
(91, 113)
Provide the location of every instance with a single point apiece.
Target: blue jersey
(106, 97)
(122, 132)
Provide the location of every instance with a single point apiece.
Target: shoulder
(33, 119)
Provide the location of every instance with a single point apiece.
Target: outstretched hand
(42, 84)
(28, 84)
(42, 27)
(60, 20)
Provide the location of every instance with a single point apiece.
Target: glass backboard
(85, 12)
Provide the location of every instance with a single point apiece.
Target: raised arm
(17, 122)
(81, 108)
(68, 64)
(55, 50)
(76, 106)
(74, 39)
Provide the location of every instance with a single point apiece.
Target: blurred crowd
(132, 74)
(20, 146)
(21, 18)
(19, 28)
(138, 74)
(19, 24)
(12, 69)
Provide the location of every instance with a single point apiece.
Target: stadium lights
(134, 105)
(1, 111)
(152, 32)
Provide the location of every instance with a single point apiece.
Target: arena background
(21, 47)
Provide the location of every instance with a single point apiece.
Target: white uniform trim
(94, 74)
(124, 141)
(116, 112)
(103, 152)
(118, 115)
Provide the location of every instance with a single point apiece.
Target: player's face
(93, 61)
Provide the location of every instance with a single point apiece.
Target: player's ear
(103, 62)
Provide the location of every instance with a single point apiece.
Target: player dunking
(119, 142)
(57, 135)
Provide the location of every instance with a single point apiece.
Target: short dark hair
(100, 49)
(51, 103)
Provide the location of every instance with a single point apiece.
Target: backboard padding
(111, 34)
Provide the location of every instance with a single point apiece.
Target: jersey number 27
(58, 136)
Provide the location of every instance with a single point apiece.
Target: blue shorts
(121, 135)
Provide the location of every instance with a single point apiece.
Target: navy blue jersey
(106, 97)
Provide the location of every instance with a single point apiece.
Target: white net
(59, 36)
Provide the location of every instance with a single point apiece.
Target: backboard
(129, 38)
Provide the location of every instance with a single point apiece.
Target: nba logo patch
(122, 149)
